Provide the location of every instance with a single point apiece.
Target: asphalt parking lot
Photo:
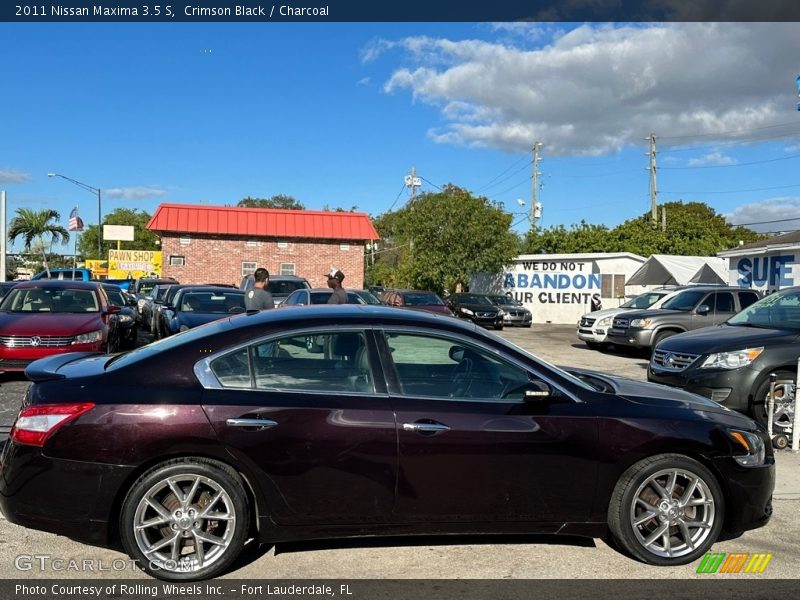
(443, 557)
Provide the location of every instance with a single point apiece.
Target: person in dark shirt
(259, 297)
(335, 278)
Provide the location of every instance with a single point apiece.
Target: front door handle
(255, 424)
(426, 427)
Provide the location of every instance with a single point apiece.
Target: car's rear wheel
(185, 519)
(666, 510)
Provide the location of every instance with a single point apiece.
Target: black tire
(529, 325)
(758, 405)
(206, 479)
(636, 484)
(498, 328)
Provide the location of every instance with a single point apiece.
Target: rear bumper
(65, 497)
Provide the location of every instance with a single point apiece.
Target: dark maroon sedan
(409, 423)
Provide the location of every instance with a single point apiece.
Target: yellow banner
(134, 264)
(99, 268)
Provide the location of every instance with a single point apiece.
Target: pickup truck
(68, 274)
(689, 309)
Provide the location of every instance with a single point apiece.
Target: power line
(757, 162)
(430, 182)
(522, 168)
(725, 144)
(764, 189)
(516, 162)
(398, 198)
(764, 222)
(719, 133)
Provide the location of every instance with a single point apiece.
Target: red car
(41, 318)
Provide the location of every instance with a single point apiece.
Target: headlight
(184, 328)
(604, 322)
(125, 318)
(466, 311)
(732, 360)
(89, 338)
(641, 323)
(752, 444)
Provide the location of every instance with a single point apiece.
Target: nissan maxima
(409, 423)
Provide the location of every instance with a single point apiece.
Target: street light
(94, 190)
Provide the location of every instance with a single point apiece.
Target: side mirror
(703, 309)
(456, 353)
(112, 309)
(537, 391)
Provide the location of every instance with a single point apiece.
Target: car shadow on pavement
(429, 540)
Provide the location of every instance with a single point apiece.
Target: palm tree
(36, 224)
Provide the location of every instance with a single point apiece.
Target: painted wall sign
(772, 272)
(552, 282)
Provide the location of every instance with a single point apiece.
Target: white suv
(593, 327)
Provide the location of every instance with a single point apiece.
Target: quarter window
(233, 370)
(446, 368)
(747, 298)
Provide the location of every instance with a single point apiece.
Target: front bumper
(748, 493)
(597, 335)
(635, 338)
(518, 321)
(18, 359)
(731, 388)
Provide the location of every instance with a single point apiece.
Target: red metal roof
(242, 222)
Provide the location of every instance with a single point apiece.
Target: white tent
(664, 269)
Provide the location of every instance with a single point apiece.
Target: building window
(248, 268)
(287, 268)
(177, 261)
(185, 241)
(612, 286)
(252, 244)
(283, 245)
(344, 247)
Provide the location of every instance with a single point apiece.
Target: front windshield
(780, 310)
(473, 299)
(684, 301)
(50, 300)
(645, 300)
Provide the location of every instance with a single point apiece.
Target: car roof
(59, 283)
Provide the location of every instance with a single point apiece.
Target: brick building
(220, 244)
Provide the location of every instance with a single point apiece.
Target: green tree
(144, 239)
(278, 201)
(693, 229)
(438, 240)
(38, 225)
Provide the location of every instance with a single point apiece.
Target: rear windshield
(422, 299)
(284, 288)
(212, 302)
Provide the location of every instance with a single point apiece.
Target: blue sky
(337, 114)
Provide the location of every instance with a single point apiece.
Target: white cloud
(134, 193)
(13, 176)
(363, 81)
(598, 88)
(773, 209)
(792, 149)
(713, 159)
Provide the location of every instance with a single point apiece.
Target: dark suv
(280, 286)
(687, 310)
(731, 363)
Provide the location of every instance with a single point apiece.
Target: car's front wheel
(666, 510)
(185, 519)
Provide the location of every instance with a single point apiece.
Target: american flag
(75, 222)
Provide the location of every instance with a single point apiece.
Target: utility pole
(536, 207)
(413, 182)
(663, 218)
(3, 249)
(652, 169)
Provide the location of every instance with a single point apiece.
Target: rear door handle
(425, 427)
(255, 424)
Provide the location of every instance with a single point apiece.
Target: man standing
(335, 278)
(259, 297)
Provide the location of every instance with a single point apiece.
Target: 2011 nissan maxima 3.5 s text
(400, 423)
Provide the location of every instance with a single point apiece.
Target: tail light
(37, 423)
